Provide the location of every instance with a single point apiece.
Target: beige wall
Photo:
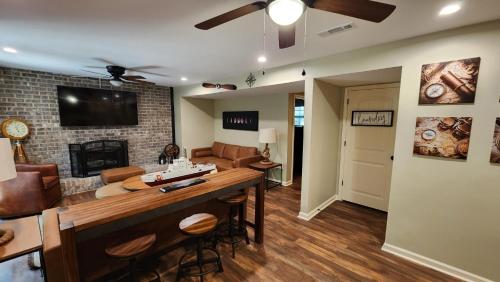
(197, 116)
(273, 113)
(322, 130)
(440, 209)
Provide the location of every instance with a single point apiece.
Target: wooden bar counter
(85, 229)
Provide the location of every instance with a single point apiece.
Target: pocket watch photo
(435, 90)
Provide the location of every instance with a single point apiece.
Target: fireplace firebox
(88, 159)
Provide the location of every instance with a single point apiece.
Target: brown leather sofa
(226, 156)
(35, 189)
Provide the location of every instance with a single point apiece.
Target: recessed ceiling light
(262, 59)
(184, 78)
(9, 50)
(450, 9)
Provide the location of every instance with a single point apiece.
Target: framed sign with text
(372, 118)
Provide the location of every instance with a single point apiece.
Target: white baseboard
(308, 216)
(434, 264)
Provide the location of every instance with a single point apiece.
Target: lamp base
(6, 235)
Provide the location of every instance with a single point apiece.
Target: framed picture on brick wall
(244, 120)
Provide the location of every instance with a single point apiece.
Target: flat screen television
(94, 107)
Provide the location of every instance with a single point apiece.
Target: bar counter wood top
(87, 215)
(86, 223)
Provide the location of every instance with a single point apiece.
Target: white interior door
(368, 151)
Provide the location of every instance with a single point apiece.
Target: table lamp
(7, 172)
(267, 136)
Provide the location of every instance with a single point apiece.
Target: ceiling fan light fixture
(116, 82)
(285, 12)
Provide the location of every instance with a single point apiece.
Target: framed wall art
(495, 148)
(452, 82)
(246, 120)
(372, 118)
(445, 137)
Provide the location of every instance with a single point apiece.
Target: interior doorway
(368, 151)
(298, 137)
(296, 114)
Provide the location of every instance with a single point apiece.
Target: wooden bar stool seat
(199, 226)
(235, 232)
(131, 250)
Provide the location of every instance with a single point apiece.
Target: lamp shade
(267, 135)
(7, 166)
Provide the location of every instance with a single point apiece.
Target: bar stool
(235, 232)
(199, 226)
(131, 250)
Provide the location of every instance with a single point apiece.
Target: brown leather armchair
(35, 189)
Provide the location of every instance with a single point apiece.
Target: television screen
(91, 107)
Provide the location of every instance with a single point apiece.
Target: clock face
(16, 129)
(435, 90)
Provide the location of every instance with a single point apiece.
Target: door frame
(346, 122)
(291, 135)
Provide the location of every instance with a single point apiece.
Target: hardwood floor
(342, 243)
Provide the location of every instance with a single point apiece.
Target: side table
(27, 239)
(266, 168)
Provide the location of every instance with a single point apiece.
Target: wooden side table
(27, 239)
(266, 168)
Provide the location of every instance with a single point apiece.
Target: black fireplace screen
(88, 159)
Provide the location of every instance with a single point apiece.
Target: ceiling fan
(117, 73)
(219, 86)
(286, 12)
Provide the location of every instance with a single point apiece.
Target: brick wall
(32, 96)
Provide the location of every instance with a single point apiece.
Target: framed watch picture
(452, 82)
(372, 118)
(245, 120)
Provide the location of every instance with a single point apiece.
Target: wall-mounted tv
(94, 107)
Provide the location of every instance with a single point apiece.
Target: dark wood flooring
(342, 243)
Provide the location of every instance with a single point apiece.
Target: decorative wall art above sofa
(246, 120)
(445, 137)
(495, 149)
(452, 82)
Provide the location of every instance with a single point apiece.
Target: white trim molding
(308, 216)
(434, 264)
(287, 183)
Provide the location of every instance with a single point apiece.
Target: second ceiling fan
(286, 12)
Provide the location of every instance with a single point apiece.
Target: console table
(27, 239)
(85, 228)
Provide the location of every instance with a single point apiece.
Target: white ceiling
(64, 35)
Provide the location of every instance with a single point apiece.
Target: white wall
(273, 113)
(444, 210)
(197, 116)
(322, 130)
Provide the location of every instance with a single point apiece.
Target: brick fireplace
(32, 96)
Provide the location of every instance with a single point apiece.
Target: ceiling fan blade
(139, 81)
(362, 9)
(148, 72)
(95, 67)
(229, 86)
(209, 85)
(144, 68)
(132, 77)
(102, 74)
(107, 62)
(231, 15)
(286, 36)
